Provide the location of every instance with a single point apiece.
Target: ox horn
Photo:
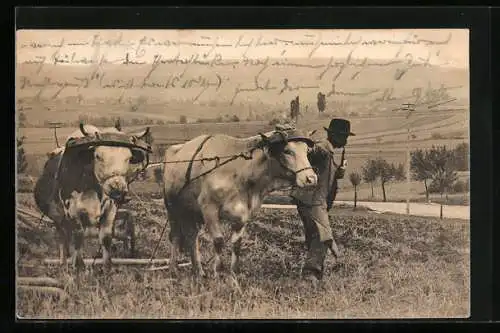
(118, 126)
(264, 137)
(144, 135)
(82, 129)
(311, 133)
(146, 132)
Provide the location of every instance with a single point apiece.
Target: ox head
(288, 149)
(112, 162)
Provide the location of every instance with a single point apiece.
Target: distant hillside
(174, 88)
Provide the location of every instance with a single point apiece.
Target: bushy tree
(22, 119)
(385, 172)
(295, 108)
(22, 163)
(399, 172)
(421, 169)
(461, 156)
(355, 179)
(442, 167)
(370, 172)
(321, 102)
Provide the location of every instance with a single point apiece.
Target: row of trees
(377, 169)
(439, 166)
(436, 167)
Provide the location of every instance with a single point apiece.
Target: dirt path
(419, 209)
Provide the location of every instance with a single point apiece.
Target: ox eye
(289, 152)
(98, 156)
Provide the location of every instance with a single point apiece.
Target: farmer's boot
(314, 265)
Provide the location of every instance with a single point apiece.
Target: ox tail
(174, 233)
(46, 184)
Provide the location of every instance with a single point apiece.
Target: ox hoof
(235, 266)
(219, 267)
(107, 266)
(198, 272)
(77, 263)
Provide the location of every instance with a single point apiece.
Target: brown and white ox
(82, 186)
(201, 192)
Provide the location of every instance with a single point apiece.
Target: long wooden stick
(42, 289)
(159, 268)
(116, 261)
(27, 223)
(36, 216)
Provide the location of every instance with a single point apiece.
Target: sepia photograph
(242, 174)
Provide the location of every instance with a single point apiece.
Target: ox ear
(82, 129)
(138, 156)
(118, 126)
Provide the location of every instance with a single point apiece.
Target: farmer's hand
(340, 173)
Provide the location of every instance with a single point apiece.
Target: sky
(453, 49)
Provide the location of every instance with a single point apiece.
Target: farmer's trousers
(318, 233)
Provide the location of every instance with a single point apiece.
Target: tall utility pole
(409, 108)
(55, 126)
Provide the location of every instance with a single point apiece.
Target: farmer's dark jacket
(321, 159)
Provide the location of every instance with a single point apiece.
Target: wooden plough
(41, 285)
(52, 286)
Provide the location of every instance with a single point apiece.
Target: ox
(83, 184)
(198, 191)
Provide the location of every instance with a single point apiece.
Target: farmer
(313, 205)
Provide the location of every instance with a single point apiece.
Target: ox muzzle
(116, 187)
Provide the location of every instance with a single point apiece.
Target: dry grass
(394, 267)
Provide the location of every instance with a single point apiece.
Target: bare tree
(398, 172)
(355, 179)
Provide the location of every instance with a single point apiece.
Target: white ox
(82, 186)
(200, 191)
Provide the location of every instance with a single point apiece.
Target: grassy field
(393, 267)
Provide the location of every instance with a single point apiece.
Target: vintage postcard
(242, 174)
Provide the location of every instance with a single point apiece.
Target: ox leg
(131, 242)
(238, 230)
(174, 252)
(174, 237)
(106, 234)
(63, 242)
(77, 259)
(211, 218)
(196, 257)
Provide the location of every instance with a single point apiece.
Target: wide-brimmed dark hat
(339, 126)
